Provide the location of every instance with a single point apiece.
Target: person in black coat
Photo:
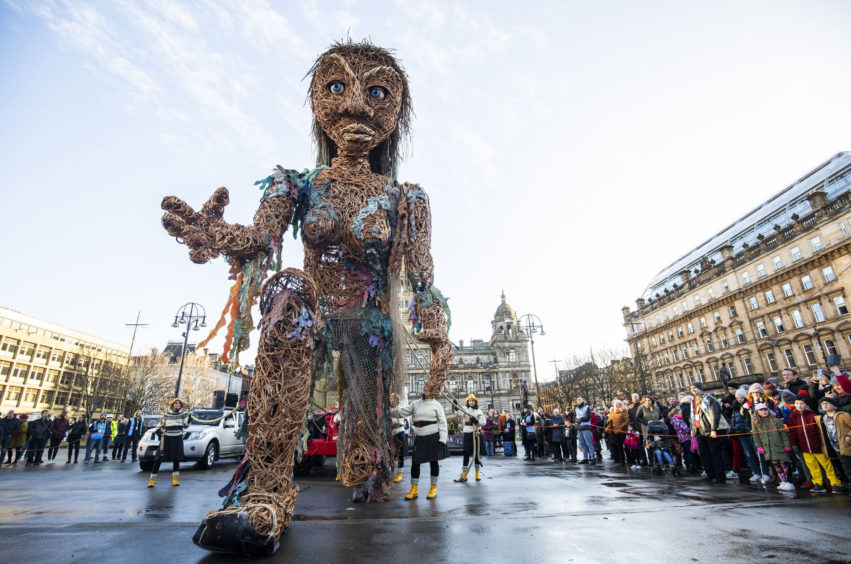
(508, 434)
(9, 425)
(38, 432)
(134, 435)
(75, 436)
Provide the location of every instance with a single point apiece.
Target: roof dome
(504, 311)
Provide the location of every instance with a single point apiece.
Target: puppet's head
(361, 105)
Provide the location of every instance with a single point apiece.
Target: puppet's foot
(232, 533)
(252, 528)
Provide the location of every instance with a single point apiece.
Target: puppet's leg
(254, 519)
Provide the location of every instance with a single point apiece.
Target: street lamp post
(531, 324)
(194, 317)
(640, 364)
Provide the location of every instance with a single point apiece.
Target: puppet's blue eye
(377, 93)
(337, 87)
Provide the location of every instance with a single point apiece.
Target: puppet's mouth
(357, 132)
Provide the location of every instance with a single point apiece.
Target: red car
(321, 442)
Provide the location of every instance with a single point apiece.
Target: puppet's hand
(197, 229)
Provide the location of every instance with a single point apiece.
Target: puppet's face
(357, 102)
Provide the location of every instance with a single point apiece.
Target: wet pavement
(543, 511)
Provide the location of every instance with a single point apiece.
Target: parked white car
(202, 442)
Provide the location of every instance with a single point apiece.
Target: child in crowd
(806, 434)
(631, 445)
(662, 450)
(772, 442)
(675, 416)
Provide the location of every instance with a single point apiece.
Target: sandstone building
(766, 293)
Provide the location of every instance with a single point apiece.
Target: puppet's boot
(152, 481)
(412, 494)
(432, 492)
(398, 477)
(174, 479)
(463, 477)
(478, 475)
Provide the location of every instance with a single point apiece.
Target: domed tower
(504, 324)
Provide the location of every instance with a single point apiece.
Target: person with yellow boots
(429, 421)
(173, 422)
(399, 439)
(473, 421)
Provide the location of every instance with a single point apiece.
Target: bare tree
(148, 383)
(99, 381)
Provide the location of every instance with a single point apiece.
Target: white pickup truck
(202, 442)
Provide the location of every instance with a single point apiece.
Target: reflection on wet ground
(519, 511)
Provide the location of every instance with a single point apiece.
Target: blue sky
(571, 150)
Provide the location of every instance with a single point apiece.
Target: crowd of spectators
(794, 433)
(30, 436)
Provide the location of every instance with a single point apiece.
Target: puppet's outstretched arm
(207, 235)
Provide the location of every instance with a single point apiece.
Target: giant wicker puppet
(358, 226)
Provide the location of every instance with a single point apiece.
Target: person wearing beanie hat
(755, 387)
(772, 442)
(788, 397)
(705, 424)
(837, 430)
(740, 428)
(774, 381)
(807, 437)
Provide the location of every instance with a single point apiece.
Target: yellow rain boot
(398, 477)
(412, 494)
(478, 475)
(152, 481)
(337, 479)
(463, 477)
(174, 480)
(432, 492)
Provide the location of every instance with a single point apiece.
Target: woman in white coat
(429, 423)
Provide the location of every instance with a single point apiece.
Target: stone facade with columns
(766, 293)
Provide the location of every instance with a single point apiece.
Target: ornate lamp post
(194, 317)
(531, 324)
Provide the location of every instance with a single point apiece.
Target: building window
(746, 278)
(697, 300)
(760, 270)
(816, 243)
(5, 368)
(844, 230)
(807, 282)
(9, 346)
(740, 335)
(818, 314)
(754, 302)
(796, 253)
(717, 317)
(676, 311)
(778, 323)
(37, 374)
(787, 290)
(724, 343)
(703, 323)
(661, 339)
(667, 358)
(772, 362)
(790, 358)
(515, 381)
(471, 385)
(760, 329)
(420, 386)
(732, 309)
(769, 297)
(809, 354)
(676, 358)
(748, 366)
(685, 306)
(653, 341)
(731, 369)
(797, 319)
(709, 292)
(830, 347)
(42, 354)
(452, 384)
(670, 335)
(694, 348)
(679, 331)
(709, 347)
(828, 274)
(841, 308)
(725, 287)
(690, 327)
(700, 374)
(714, 372)
(512, 356)
(778, 263)
(27, 351)
(13, 394)
(685, 353)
